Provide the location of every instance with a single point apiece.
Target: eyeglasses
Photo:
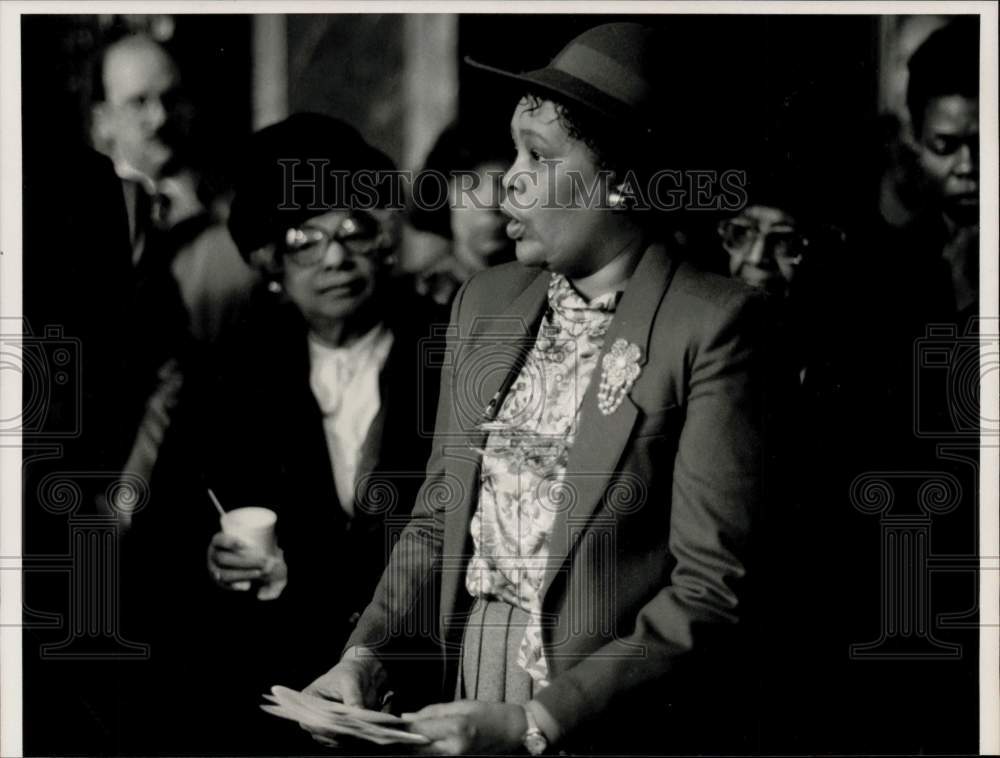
(358, 234)
(783, 244)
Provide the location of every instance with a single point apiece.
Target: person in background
(942, 97)
(766, 247)
(314, 409)
(190, 284)
(924, 273)
(784, 243)
(143, 119)
(470, 161)
(895, 281)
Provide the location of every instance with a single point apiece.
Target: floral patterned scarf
(524, 460)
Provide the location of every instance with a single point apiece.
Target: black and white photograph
(533, 378)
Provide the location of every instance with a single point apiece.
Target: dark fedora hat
(611, 69)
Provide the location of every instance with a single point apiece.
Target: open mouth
(515, 227)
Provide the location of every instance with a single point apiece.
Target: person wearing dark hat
(313, 410)
(581, 547)
(782, 237)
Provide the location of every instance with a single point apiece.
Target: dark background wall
(350, 66)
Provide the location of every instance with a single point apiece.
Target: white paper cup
(255, 526)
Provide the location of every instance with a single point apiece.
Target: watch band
(534, 739)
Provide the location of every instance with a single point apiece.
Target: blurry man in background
(190, 283)
(142, 120)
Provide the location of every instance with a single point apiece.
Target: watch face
(535, 742)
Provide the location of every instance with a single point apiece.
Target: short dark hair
(947, 63)
(623, 152)
(610, 151)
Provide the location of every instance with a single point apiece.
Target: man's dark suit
(646, 585)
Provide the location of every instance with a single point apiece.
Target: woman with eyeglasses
(315, 411)
(765, 247)
(581, 549)
(781, 240)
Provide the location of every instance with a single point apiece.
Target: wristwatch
(534, 739)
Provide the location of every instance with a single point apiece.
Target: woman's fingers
(237, 575)
(233, 565)
(232, 576)
(468, 726)
(224, 559)
(437, 728)
(223, 541)
(439, 710)
(341, 683)
(446, 725)
(445, 734)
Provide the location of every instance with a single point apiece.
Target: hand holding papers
(332, 719)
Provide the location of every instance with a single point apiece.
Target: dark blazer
(646, 588)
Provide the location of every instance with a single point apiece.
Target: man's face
(948, 155)
(142, 116)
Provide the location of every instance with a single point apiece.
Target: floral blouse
(525, 456)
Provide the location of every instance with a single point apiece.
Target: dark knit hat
(304, 166)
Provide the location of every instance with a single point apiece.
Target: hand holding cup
(245, 552)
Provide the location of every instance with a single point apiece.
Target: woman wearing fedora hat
(579, 551)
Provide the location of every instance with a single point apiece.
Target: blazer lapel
(503, 342)
(487, 365)
(601, 439)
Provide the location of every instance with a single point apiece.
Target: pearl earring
(274, 287)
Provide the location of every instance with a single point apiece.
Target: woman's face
(557, 221)
(764, 247)
(339, 283)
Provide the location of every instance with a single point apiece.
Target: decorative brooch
(619, 370)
